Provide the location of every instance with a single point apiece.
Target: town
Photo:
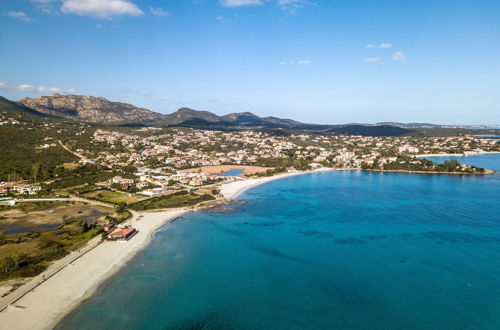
(155, 161)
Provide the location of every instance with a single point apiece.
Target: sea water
(333, 250)
(488, 161)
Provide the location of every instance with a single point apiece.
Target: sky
(317, 61)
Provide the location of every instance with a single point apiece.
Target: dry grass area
(70, 166)
(114, 196)
(34, 214)
(218, 169)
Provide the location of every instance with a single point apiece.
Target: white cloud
(42, 89)
(372, 59)
(368, 46)
(46, 6)
(158, 11)
(399, 56)
(385, 45)
(105, 9)
(239, 3)
(25, 88)
(291, 6)
(20, 15)
(300, 62)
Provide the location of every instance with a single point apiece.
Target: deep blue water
(338, 250)
(232, 172)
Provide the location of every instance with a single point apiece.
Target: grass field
(114, 197)
(34, 234)
(26, 217)
(178, 199)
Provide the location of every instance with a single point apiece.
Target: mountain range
(100, 111)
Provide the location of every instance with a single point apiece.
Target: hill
(98, 110)
(14, 107)
(90, 109)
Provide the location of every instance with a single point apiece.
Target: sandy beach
(233, 189)
(44, 306)
(48, 303)
(218, 169)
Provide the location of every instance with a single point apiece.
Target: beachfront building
(122, 233)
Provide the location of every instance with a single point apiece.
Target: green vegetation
(29, 254)
(21, 157)
(178, 199)
(113, 197)
(405, 163)
(82, 175)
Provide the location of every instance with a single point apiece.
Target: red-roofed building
(122, 233)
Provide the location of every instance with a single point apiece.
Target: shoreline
(232, 190)
(58, 296)
(465, 154)
(487, 172)
(46, 305)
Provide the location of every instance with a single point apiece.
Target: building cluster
(19, 188)
(154, 158)
(176, 149)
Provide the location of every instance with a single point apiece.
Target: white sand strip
(46, 305)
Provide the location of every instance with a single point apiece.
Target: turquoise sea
(488, 161)
(332, 250)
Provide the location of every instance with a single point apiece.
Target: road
(74, 153)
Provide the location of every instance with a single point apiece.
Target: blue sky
(316, 61)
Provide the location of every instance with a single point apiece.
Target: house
(122, 233)
(29, 189)
(154, 191)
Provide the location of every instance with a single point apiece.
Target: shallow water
(19, 229)
(335, 250)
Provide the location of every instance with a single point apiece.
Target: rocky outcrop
(91, 109)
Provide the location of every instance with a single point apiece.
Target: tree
(7, 265)
(35, 170)
(122, 207)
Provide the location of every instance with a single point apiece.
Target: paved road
(20, 200)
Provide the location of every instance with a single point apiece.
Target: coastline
(429, 172)
(232, 190)
(47, 304)
(465, 154)
(55, 298)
